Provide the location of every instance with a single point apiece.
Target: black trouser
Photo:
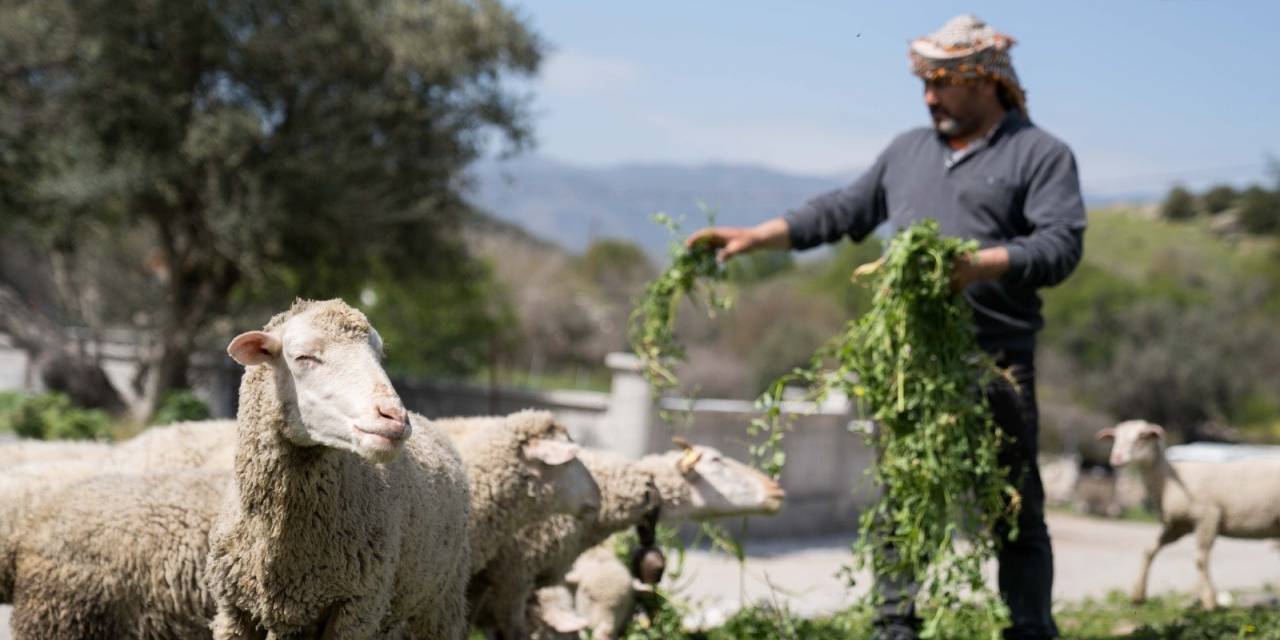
(1026, 563)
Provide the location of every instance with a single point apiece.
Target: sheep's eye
(303, 357)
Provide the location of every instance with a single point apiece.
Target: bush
(1178, 205)
(1218, 199)
(51, 416)
(180, 405)
(1260, 210)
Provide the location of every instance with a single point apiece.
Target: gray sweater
(1017, 188)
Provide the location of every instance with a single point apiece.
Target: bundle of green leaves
(914, 366)
(694, 273)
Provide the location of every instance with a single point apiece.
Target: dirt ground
(1092, 557)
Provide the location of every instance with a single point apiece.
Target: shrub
(180, 405)
(1218, 199)
(1178, 205)
(51, 416)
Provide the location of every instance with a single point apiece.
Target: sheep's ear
(1106, 434)
(688, 461)
(254, 347)
(641, 587)
(563, 621)
(552, 452)
(1152, 431)
(573, 578)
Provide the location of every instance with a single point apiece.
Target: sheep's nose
(390, 410)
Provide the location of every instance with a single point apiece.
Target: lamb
(695, 482)
(327, 529)
(522, 468)
(1200, 497)
(604, 592)
(118, 556)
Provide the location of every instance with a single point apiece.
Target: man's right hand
(771, 234)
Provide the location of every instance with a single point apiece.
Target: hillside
(571, 205)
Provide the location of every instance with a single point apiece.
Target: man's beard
(948, 125)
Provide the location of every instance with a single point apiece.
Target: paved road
(1092, 557)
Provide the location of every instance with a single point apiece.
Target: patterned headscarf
(967, 49)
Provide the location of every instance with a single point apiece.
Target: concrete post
(625, 426)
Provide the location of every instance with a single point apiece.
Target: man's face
(957, 109)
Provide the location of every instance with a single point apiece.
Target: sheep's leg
(1206, 532)
(1168, 535)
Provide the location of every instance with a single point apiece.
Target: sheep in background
(522, 468)
(118, 556)
(328, 529)
(1237, 499)
(26, 487)
(692, 483)
(26, 451)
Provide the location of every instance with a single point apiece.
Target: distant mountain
(571, 205)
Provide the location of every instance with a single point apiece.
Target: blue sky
(1146, 92)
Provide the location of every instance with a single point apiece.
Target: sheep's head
(328, 364)
(546, 447)
(1136, 441)
(717, 486)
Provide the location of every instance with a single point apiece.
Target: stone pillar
(625, 426)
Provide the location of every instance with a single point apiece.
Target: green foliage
(694, 272)
(758, 266)
(832, 277)
(252, 150)
(180, 406)
(1218, 199)
(611, 264)
(1180, 204)
(450, 325)
(51, 416)
(1259, 210)
(1168, 322)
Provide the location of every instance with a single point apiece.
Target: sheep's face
(554, 459)
(1135, 441)
(720, 486)
(331, 382)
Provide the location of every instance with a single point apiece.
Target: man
(984, 171)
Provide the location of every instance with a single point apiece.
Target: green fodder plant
(914, 366)
(695, 274)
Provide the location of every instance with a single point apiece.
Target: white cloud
(574, 74)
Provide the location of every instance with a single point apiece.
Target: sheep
(327, 530)
(25, 487)
(604, 592)
(118, 556)
(691, 483)
(25, 451)
(522, 468)
(1200, 497)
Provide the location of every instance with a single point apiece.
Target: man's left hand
(979, 266)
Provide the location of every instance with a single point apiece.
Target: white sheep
(25, 487)
(521, 468)
(329, 530)
(118, 556)
(691, 483)
(604, 592)
(1237, 499)
(26, 451)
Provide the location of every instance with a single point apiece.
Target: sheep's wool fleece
(314, 534)
(119, 556)
(544, 552)
(506, 493)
